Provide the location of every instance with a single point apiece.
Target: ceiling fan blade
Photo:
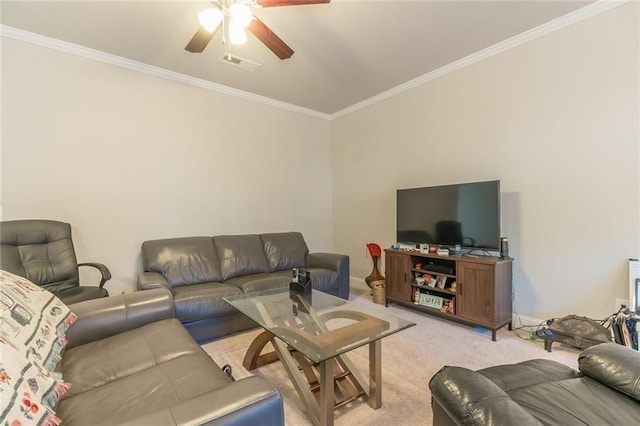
(274, 3)
(200, 40)
(269, 38)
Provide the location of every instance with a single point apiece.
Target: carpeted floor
(409, 359)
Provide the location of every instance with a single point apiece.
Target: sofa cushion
(144, 392)
(201, 301)
(285, 250)
(528, 373)
(579, 401)
(321, 279)
(110, 359)
(182, 261)
(240, 255)
(261, 282)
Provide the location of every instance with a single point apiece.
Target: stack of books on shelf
(449, 306)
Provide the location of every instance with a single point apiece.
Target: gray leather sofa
(130, 362)
(606, 391)
(200, 271)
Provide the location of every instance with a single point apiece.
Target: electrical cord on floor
(536, 332)
(532, 335)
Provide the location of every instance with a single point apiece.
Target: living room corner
(553, 122)
(231, 227)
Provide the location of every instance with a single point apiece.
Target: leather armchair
(605, 390)
(42, 251)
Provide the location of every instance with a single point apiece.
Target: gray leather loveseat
(606, 391)
(130, 362)
(200, 271)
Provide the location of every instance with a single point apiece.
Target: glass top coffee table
(311, 336)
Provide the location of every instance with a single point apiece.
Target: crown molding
(119, 61)
(579, 15)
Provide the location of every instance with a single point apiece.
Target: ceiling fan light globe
(210, 18)
(237, 34)
(241, 14)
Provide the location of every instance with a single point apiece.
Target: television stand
(470, 289)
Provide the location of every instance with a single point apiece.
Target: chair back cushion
(285, 250)
(240, 255)
(182, 261)
(41, 251)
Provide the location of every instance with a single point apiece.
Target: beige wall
(556, 120)
(126, 157)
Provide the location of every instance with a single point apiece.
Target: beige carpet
(409, 359)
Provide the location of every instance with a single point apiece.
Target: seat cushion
(579, 401)
(240, 255)
(107, 360)
(200, 301)
(182, 261)
(285, 250)
(144, 392)
(261, 282)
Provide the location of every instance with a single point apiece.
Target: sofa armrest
(249, 401)
(100, 318)
(334, 262)
(614, 365)
(151, 280)
(467, 397)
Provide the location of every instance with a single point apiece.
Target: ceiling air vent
(241, 63)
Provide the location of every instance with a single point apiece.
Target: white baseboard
(525, 321)
(357, 279)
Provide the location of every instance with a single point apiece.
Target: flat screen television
(467, 214)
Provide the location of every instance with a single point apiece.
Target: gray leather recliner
(42, 251)
(605, 390)
(130, 362)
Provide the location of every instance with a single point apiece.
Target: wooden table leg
(254, 357)
(375, 374)
(326, 392)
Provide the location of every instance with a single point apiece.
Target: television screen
(467, 214)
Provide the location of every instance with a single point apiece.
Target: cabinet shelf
(432, 311)
(428, 272)
(434, 289)
(483, 293)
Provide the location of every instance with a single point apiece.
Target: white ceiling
(345, 52)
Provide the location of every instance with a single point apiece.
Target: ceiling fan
(233, 16)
